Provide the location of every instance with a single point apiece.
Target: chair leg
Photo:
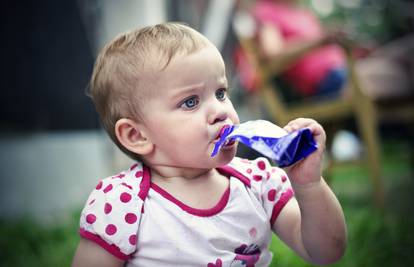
(329, 161)
(328, 169)
(367, 121)
(274, 105)
(367, 124)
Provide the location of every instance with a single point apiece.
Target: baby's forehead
(205, 60)
(160, 70)
(203, 55)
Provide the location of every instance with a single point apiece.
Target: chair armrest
(292, 54)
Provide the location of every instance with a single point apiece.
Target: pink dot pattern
(271, 195)
(125, 197)
(107, 208)
(133, 167)
(267, 181)
(132, 240)
(108, 188)
(261, 165)
(90, 218)
(110, 229)
(130, 218)
(99, 185)
(257, 177)
(113, 210)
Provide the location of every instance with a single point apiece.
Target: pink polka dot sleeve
(112, 213)
(270, 185)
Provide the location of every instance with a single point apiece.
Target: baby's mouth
(228, 142)
(221, 132)
(224, 139)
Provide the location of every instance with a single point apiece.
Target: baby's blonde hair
(125, 67)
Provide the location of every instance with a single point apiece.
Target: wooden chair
(357, 106)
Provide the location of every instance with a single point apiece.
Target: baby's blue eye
(221, 94)
(190, 103)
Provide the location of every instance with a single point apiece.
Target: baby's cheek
(235, 117)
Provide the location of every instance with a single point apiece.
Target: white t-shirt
(141, 223)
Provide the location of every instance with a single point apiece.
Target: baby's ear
(132, 136)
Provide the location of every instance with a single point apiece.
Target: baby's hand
(308, 170)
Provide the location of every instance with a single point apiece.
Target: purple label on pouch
(270, 140)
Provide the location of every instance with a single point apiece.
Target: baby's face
(184, 119)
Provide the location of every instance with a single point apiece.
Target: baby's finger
(288, 128)
(315, 128)
(298, 123)
(318, 133)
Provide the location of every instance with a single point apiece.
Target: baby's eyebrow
(223, 82)
(187, 90)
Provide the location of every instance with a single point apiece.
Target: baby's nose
(217, 113)
(218, 117)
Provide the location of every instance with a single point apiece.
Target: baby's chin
(225, 155)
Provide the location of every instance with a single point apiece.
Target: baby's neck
(166, 172)
(200, 189)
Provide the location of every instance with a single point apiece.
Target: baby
(162, 95)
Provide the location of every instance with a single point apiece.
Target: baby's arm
(89, 254)
(312, 223)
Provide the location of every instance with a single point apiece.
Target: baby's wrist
(308, 188)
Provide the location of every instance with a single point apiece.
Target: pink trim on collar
(198, 212)
(114, 250)
(227, 170)
(145, 183)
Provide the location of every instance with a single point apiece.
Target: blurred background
(53, 150)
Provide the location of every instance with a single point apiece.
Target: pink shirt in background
(297, 24)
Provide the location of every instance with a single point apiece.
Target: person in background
(288, 34)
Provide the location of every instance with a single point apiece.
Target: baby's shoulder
(129, 179)
(112, 212)
(259, 169)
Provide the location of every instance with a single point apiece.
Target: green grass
(27, 243)
(376, 238)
